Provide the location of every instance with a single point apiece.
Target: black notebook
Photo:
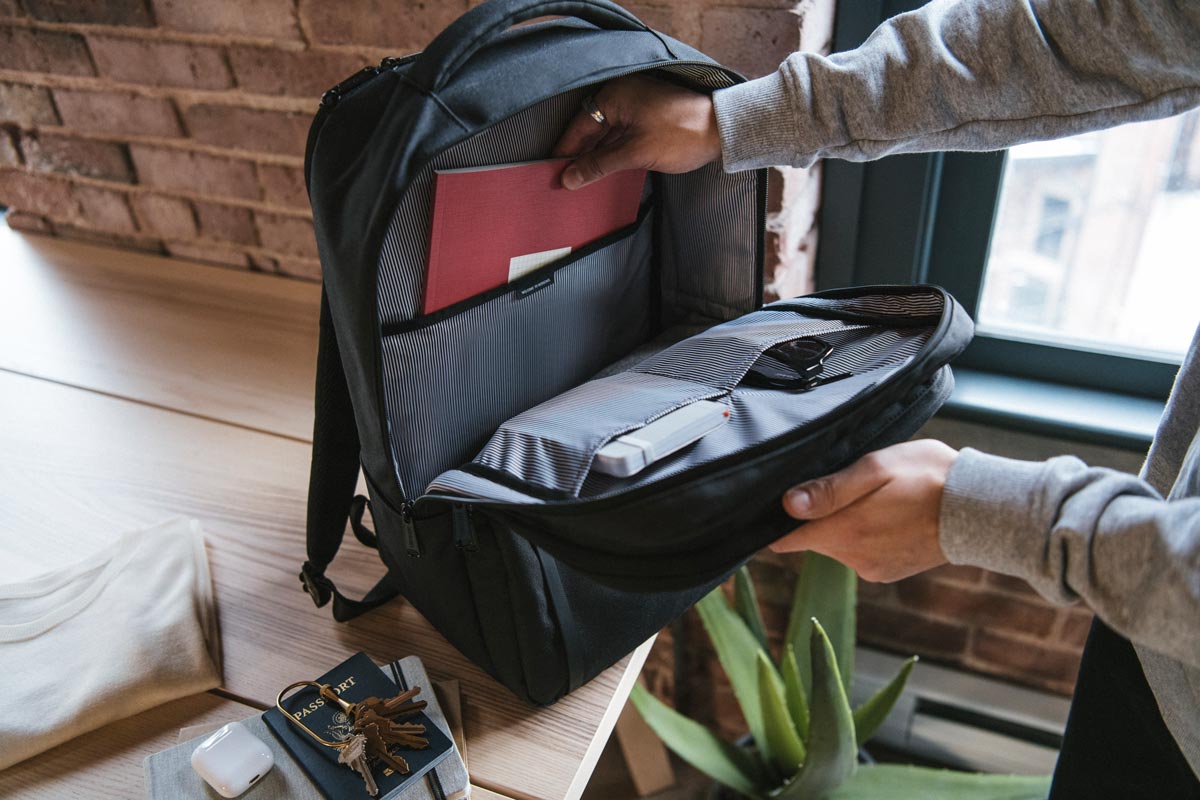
(355, 679)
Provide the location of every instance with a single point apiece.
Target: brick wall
(179, 127)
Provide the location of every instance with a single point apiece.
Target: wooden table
(134, 388)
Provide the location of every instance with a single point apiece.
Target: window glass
(1097, 241)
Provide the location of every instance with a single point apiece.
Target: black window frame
(928, 218)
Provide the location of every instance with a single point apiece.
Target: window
(1076, 257)
(1095, 240)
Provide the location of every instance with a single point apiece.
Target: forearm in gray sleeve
(969, 75)
(1079, 532)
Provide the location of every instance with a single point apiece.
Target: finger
(582, 134)
(824, 496)
(591, 167)
(815, 536)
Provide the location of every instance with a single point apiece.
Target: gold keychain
(373, 729)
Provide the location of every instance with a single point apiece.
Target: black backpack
(476, 425)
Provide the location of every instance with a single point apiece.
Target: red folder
(492, 225)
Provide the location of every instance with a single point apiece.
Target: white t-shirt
(125, 629)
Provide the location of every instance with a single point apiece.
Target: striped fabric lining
(552, 445)
(721, 355)
(447, 387)
(757, 415)
(916, 304)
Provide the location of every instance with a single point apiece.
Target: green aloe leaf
(737, 650)
(898, 782)
(871, 714)
(745, 602)
(700, 747)
(827, 591)
(781, 744)
(793, 690)
(832, 749)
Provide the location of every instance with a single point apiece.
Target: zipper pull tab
(331, 97)
(464, 531)
(411, 544)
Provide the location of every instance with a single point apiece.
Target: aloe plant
(804, 734)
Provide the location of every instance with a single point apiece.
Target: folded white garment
(125, 629)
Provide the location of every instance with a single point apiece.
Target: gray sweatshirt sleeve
(969, 75)
(1076, 532)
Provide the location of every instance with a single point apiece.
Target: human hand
(878, 516)
(649, 124)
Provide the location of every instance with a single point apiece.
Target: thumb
(591, 167)
(824, 496)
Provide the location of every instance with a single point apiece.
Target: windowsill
(1067, 412)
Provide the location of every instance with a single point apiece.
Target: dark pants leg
(1116, 743)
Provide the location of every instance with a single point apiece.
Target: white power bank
(630, 454)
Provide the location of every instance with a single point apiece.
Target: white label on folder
(520, 266)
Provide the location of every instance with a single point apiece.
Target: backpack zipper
(411, 543)
(464, 531)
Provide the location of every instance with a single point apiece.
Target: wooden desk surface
(135, 388)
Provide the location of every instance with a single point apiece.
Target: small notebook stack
(305, 770)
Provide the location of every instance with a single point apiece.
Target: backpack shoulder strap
(331, 482)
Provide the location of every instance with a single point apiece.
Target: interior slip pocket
(548, 451)
(494, 355)
(553, 445)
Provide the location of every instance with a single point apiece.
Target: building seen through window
(1097, 241)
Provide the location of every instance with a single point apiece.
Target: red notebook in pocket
(493, 225)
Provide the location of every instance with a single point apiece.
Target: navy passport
(355, 679)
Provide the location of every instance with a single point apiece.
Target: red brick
(306, 268)
(163, 216)
(299, 73)
(399, 25)
(976, 606)
(54, 153)
(118, 240)
(1075, 628)
(208, 254)
(117, 113)
(1012, 584)
(1024, 660)
(10, 156)
(289, 235)
(249, 128)
(271, 19)
(910, 632)
(109, 12)
(751, 40)
(198, 173)
(36, 194)
(28, 223)
(283, 186)
(227, 223)
(26, 106)
(103, 209)
(160, 63)
(44, 51)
